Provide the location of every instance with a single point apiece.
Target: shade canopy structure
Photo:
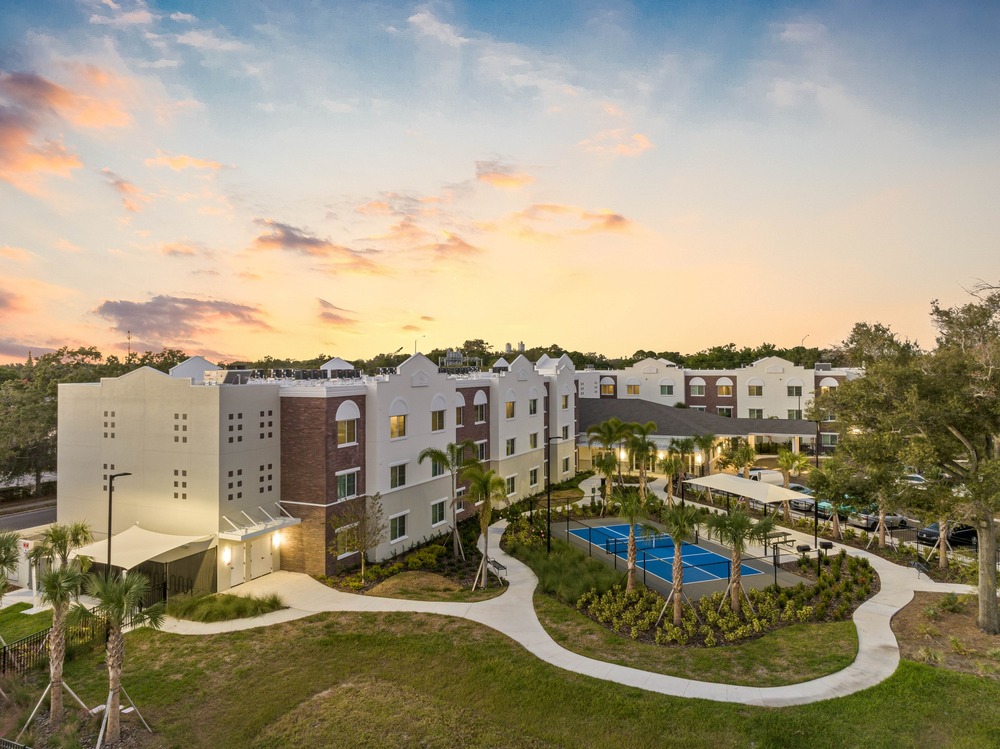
(757, 490)
(134, 546)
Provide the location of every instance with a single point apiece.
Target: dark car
(958, 535)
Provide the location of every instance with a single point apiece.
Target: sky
(249, 179)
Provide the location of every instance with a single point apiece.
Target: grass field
(404, 680)
(14, 624)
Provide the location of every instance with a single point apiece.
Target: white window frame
(511, 490)
(444, 513)
(565, 402)
(758, 411)
(510, 446)
(720, 409)
(347, 421)
(405, 535)
(533, 441)
(565, 432)
(666, 388)
(443, 417)
(398, 436)
(396, 466)
(482, 452)
(337, 532)
(347, 472)
(533, 476)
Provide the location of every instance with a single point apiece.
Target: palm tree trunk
(678, 583)
(630, 581)
(57, 656)
(486, 548)
(670, 491)
(786, 508)
(881, 525)
(116, 658)
(735, 602)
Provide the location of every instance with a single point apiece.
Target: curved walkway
(513, 614)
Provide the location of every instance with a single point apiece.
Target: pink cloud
(132, 197)
(617, 142)
(292, 239)
(179, 162)
(497, 174)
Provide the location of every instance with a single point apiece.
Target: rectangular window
(437, 421)
(480, 413)
(607, 389)
(397, 528)
(481, 448)
(437, 513)
(346, 540)
(533, 477)
(697, 390)
(565, 402)
(397, 427)
(347, 432)
(511, 485)
(532, 406)
(347, 485)
(724, 391)
(397, 476)
(437, 468)
(533, 440)
(459, 416)
(756, 391)
(510, 446)
(828, 440)
(666, 389)
(631, 390)
(794, 413)
(565, 465)
(565, 433)
(510, 409)
(755, 413)
(794, 391)
(725, 411)
(697, 408)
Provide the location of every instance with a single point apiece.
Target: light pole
(415, 342)
(548, 494)
(111, 489)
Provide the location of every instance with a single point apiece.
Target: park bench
(919, 567)
(500, 570)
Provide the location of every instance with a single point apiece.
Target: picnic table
(776, 538)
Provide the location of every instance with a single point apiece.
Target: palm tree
(609, 435)
(452, 459)
(738, 530)
(705, 443)
(743, 458)
(680, 524)
(607, 465)
(485, 486)
(60, 585)
(10, 555)
(684, 447)
(633, 509)
(789, 463)
(120, 604)
(671, 465)
(642, 448)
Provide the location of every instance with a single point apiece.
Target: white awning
(758, 490)
(134, 546)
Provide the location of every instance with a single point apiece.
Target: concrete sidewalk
(513, 614)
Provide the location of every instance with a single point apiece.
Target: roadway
(15, 521)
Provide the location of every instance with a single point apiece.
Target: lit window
(437, 420)
(347, 432)
(607, 389)
(725, 391)
(510, 409)
(631, 390)
(397, 426)
(397, 476)
(565, 402)
(533, 440)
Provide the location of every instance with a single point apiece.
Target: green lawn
(405, 680)
(786, 656)
(14, 625)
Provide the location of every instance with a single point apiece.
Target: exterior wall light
(276, 539)
(227, 555)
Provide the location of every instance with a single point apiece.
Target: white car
(869, 520)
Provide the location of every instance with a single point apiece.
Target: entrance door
(237, 567)
(260, 556)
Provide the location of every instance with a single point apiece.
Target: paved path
(513, 614)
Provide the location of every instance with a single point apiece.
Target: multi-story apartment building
(261, 465)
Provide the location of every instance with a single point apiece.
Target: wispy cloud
(66, 246)
(550, 221)
(617, 142)
(281, 236)
(132, 197)
(183, 249)
(11, 302)
(179, 319)
(179, 162)
(331, 314)
(428, 25)
(498, 174)
(208, 41)
(17, 254)
(18, 350)
(452, 247)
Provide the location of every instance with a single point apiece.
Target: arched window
(481, 403)
(608, 386)
(348, 416)
(438, 407)
(724, 387)
(697, 387)
(666, 386)
(632, 387)
(755, 387)
(510, 404)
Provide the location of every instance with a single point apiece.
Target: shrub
(429, 557)
(222, 607)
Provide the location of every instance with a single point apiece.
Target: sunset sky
(240, 179)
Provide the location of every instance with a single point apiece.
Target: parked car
(802, 504)
(958, 535)
(801, 488)
(825, 510)
(915, 480)
(869, 519)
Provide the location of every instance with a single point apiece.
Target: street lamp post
(111, 489)
(816, 446)
(548, 495)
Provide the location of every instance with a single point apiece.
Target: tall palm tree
(452, 459)
(609, 434)
(671, 466)
(738, 530)
(485, 486)
(60, 584)
(119, 603)
(607, 465)
(633, 509)
(743, 458)
(680, 524)
(705, 443)
(642, 448)
(789, 463)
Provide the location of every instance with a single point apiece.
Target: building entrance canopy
(134, 546)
